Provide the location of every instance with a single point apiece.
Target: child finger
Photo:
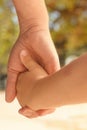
(27, 60)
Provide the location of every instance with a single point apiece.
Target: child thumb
(27, 60)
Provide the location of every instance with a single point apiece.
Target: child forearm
(67, 86)
(32, 13)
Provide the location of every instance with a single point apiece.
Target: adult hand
(41, 47)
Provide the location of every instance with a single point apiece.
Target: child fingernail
(24, 53)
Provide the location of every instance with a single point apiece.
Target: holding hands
(31, 73)
(26, 82)
(41, 48)
(34, 38)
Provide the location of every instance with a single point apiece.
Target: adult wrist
(34, 14)
(33, 25)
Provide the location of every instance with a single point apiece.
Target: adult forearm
(68, 86)
(32, 13)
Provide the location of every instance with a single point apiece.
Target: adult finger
(44, 112)
(47, 55)
(26, 111)
(10, 86)
(29, 113)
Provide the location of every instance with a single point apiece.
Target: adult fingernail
(25, 113)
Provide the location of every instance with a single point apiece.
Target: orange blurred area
(64, 118)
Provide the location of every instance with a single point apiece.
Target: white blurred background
(64, 118)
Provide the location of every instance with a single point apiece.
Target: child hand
(26, 82)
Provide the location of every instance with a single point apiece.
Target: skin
(65, 87)
(35, 38)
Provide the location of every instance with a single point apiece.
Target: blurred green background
(68, 27)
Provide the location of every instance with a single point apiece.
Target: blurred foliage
(68, 25)
(8, 31)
